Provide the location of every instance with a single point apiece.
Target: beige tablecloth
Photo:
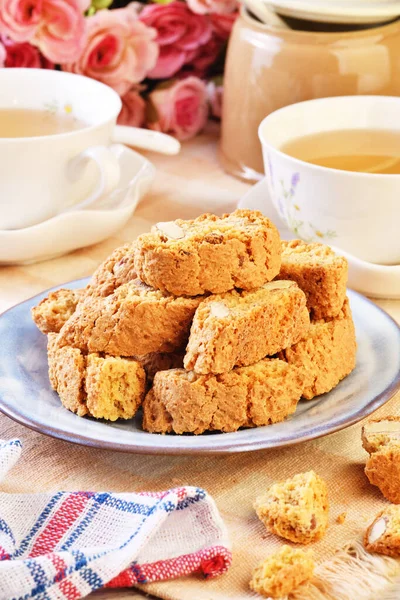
(185, 187)
(234, 481)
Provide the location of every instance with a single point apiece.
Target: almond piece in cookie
(209, 254)
(319, 272)
(383, 535)
(135, 319)
(282, 572)
(53, 311)
(240, 328)
(296, 509)
(327, 353)
(184, 402)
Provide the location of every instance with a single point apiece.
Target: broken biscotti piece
(135, 319)
(184, 402)
(282, 572)
(53, 311)
(319, 272)
(116, 270)
(159, 361)
(240, 328)
(380, 432)
(383, 535)
(103, 387)
(381, 438)
(327, 353)
(209, 254)
(296, 509)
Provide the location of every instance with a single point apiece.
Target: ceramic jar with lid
(271, 67)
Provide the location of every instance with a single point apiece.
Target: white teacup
(43, 176)
(357, 212)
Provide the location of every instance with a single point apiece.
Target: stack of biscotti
(227, 290)
(227, 382)
(327, 353)
(108, 341)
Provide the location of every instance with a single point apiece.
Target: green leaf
(163, 1)
(99, 5)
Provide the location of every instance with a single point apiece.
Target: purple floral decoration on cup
(294, 182)
(271, 171)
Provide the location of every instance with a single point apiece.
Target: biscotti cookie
(383, 470)
(240, 328)
(319, 272)
(117, 269)
(53, 311)
(381, 438)
(159, 361)
(183, 402)
(327, 354)
(135, 319)
(114, 386)
(209, 254)
(67, 374)
(383, 535)
(282, 572)
(104, 387)
(378, 433)
(296, 509)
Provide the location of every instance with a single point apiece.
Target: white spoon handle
(146, 139)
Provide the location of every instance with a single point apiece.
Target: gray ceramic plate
(26, 396)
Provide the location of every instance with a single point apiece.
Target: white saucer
(76, 229)
(339, 11)
(376, 281)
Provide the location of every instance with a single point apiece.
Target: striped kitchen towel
(64, 545)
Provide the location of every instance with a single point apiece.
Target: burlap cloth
(234, 481)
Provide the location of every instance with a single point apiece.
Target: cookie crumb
(340, 519)
(381, 439)
(282, 572)
(296, 509)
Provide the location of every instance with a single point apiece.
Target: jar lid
(339, 11)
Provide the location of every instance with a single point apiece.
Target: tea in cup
(55, 133)
(333, 172)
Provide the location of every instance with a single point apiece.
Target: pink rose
(24, 55)
(215, 93)
(204, 7)
(206, 55)
(222, 24)
(120, 49)
(61, 34)
(180, 109)
(133, 109)
(19, 19)
(57, 27)
(2, 55)
(179, 34)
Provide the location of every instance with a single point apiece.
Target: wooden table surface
(185, 186)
